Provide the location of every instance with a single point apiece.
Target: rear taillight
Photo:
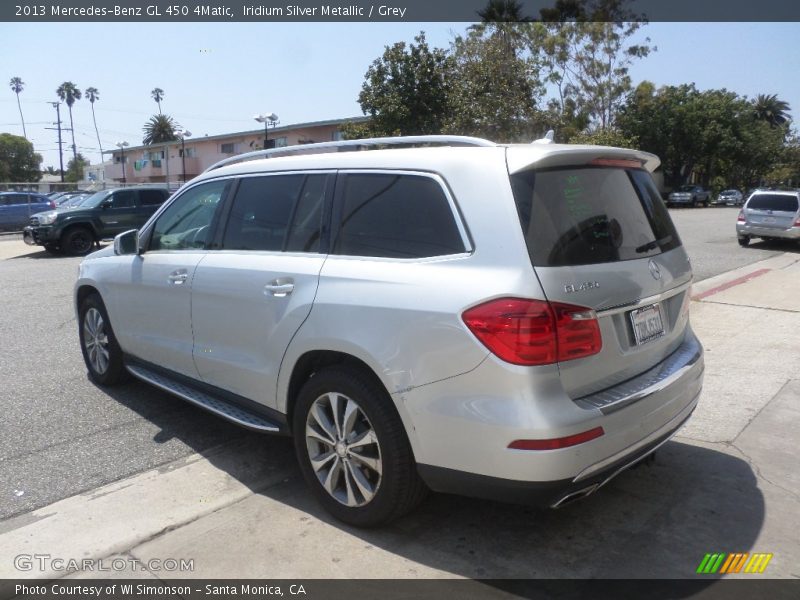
(796, 223)
(535, 332)
(52, 204)
(741, 218)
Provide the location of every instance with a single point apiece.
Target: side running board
(213, 404)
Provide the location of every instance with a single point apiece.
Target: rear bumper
(461, 428)
(744, 229)
(552, 494)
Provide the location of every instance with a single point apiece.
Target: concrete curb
(723, 281)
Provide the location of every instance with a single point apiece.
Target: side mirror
(105, 203)
(127, 242)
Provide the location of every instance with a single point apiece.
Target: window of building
(190, 152)
(229, 148)
(281, 142)
(397, 216)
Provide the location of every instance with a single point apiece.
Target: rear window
(591, 215)
(777, 202)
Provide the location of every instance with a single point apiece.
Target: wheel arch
(312, 361)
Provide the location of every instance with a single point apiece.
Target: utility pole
(57, 105)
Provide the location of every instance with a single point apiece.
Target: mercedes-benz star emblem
(654, 270)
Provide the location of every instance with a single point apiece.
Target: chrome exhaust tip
(573, 496)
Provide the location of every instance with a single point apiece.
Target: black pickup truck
(101, 216)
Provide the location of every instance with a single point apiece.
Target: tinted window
(304, 233)
(778, 202)
(592, 215)
(278, 212)
(186, 223)
(151, 197)
(398, 216)
(123, 199)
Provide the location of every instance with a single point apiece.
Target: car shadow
(42, 253)
(655, 521)
(776, 245)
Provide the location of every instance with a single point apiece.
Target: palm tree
(502, 18)
(69, 93)
(92, 95)
(17, 85)
(158, 96)
(159, 129)
(770, 109)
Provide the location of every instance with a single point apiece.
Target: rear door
(600, 237)
(772, 211)
(250, 295)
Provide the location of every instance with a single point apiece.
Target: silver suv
(769, 215)
(446, 313)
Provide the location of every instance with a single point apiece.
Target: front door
(154, 290)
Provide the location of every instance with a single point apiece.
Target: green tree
(585, 49)
(159, 129)
(18, 161)
(770, 109)
(493, 93)
(93, 95)
(158, 95)
(405, 91)
(606, 137)
(69, 93)
(17, 85)
(75, 169)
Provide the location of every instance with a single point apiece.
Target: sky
(217, 76)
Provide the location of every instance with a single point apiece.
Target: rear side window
(591, 215)
(776, 202)
(151, 197)
(124, 199)
(396, 216)
(278, 213)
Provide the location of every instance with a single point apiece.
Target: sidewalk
(728, 483)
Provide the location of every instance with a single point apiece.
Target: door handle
(178, 277)
(280, 288)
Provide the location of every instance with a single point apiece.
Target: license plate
(647, 323)
(769, 219)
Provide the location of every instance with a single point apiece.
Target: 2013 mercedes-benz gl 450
(445, 313)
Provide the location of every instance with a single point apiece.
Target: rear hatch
(772, 210)
(599, 236)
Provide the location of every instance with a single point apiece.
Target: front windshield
(95, 199)
(687, 188)
(76, 200)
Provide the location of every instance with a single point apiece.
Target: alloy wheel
(95, 340)
(343, 449)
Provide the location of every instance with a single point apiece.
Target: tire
(363, 493)
(77, 241)
(743, 241)
(52, 248)
(101, 351)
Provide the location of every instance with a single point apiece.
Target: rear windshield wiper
(653, 245)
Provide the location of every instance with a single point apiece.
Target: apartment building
(165, 163)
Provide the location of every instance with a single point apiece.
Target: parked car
(689, 195)
(75, 230)
(408, 333)
(729, 198)
(17, 207)
(769, 215)
(64, 197)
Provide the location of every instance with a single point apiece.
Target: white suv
(500, 321)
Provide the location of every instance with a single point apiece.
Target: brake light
(796, 223)
(556, 443)
(617, 162)
(740, 218)
(535, 332)
(52, 204)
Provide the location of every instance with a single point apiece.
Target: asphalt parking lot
(716, 487)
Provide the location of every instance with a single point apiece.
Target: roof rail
(354, 145)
